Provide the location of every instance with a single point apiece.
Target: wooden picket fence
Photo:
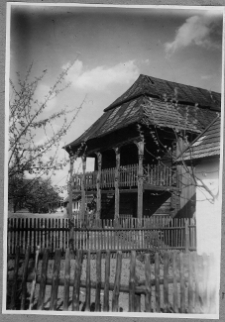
(123, 234)
(170, 282)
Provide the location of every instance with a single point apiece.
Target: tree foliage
(35, 195)
(27, 121)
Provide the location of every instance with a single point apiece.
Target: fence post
(116, 289)
(98, 282)
(55, 280)
(186, 234)
(14, 290)
(43, 280)
(106, 286)
(88, 282)
(33, 285)
(24, 278)
(148, 283)
(132, 281)
(66, 280)
(76, 285)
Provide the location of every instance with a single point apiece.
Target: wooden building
(204, 157)
(135, 144)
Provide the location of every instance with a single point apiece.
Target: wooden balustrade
(155, 175)
(107, 178)
(158, 175)
(128, 175)
(91, 179)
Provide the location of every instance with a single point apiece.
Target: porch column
(140, 146)
(98, 185)
(71, 187)
(83, 158)
(117, 177)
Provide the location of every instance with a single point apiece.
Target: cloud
(100, 77)
(200, 30)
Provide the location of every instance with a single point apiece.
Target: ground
(36, 215)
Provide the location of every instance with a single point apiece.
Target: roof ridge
(157, 87)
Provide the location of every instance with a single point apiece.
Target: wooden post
(116, 289)
(44, 270)
(98, 185)
(14, 290)
(88, 282)
(98, 282)
(24, 278)
(83, 187)
(76, 285)
(117, 176)
(66, 281)
(148, 283)
(132, 282)
(106, 284)
(140, 146)
(55, 280)
(71, 188)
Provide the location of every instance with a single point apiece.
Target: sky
(109, 48)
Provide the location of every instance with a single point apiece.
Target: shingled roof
(152, 101)
(207, 144)
(163, 89)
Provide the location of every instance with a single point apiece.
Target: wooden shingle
(207, 144)
(153, 101)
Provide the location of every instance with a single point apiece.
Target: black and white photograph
(113, 160)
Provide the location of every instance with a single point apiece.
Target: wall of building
(208, 211)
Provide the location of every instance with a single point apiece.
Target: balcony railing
(155, 175)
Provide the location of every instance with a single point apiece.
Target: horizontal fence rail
(157, 175)
(122, 234)
(164, 281)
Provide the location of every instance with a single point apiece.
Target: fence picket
(34, 281)
(157, 285)
(24, 279)
(116, 234)
(66, 280)
(175, 290)
(55, 280)
(116, 290)
(77, 275)
(148, 283)
(14, 289)
(98, 282)
(165, 281)
(88, 282)
(132, 281)
(106, 286)
(187, 269)
(190, 283)
(182, 283)
(44, 271)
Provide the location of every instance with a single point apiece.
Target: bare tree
(27, 117)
